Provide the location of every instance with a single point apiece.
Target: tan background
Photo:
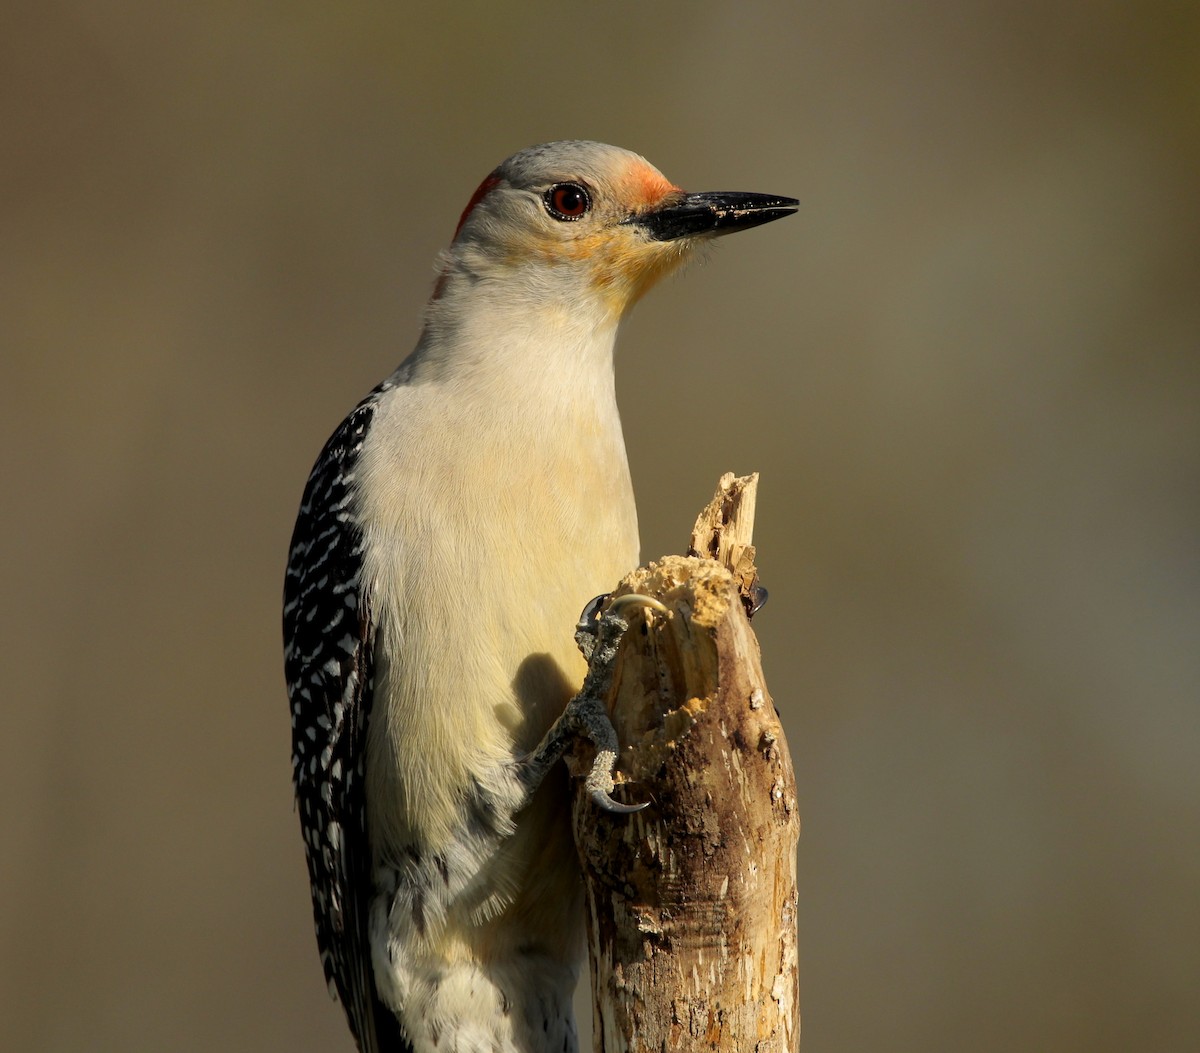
(968, 371)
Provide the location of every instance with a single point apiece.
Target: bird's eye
(567, 201)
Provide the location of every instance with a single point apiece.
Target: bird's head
(574, 222)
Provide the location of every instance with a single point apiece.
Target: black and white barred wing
(327, 660)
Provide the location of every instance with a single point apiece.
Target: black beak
(720, 212)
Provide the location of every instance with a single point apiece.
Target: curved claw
(589, 617)
(602, 800)
(599, 783)
(756, 601)
(636, 599)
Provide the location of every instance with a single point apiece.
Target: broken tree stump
(691, 903)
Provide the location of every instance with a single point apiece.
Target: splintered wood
(723, 530)
(691, 903)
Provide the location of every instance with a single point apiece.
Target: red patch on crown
(481, 192)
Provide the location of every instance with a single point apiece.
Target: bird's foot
(587, 629)
(598, 637)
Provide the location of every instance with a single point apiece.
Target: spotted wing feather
(328, 640)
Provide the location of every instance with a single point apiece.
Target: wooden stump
(691, 903)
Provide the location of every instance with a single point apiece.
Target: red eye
(568, 201)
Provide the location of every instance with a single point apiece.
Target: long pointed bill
(720, 212)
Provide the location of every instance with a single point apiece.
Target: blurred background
(969, 372)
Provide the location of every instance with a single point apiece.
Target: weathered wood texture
(691, 903)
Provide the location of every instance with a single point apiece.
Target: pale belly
(477, 926)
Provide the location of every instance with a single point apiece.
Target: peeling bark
(691, 903)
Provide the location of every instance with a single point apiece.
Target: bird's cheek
(627, 272)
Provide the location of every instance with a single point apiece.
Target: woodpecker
(450, 532)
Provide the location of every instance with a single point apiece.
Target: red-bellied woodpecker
(451, 530)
